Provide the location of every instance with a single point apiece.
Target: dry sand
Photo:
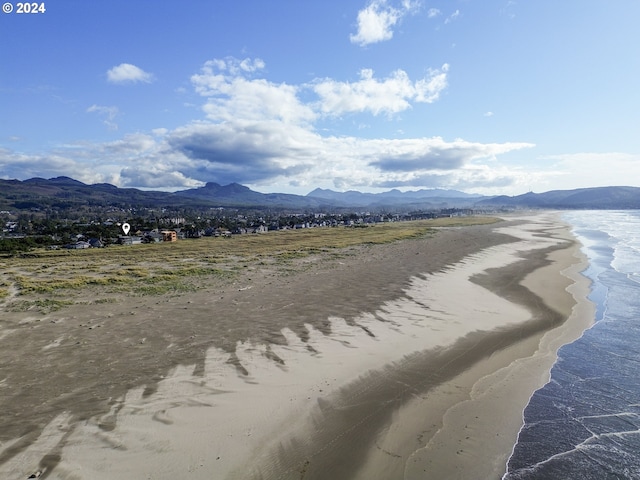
(411, 360)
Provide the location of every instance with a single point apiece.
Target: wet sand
(408, 360)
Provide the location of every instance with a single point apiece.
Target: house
(129, 240)
(152, 237)
(79, 245)
(96, 243)
(169, 236)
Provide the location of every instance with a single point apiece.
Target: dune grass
(186, 265)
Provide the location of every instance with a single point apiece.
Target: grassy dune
(52, 279)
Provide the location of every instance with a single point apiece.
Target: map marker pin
(125, 228)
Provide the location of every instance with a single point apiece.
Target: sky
(484, 96)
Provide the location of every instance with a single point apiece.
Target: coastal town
(22, 231)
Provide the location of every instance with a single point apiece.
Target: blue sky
(491, 96)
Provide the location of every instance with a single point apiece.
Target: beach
(408, 360)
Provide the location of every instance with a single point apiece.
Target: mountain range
(597, 198)
(66, 193)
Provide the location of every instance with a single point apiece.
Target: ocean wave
(585, 423)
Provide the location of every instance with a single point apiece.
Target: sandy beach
(410, 360)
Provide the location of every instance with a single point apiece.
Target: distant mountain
(603, 198)
(238, 195)
(64, 193)
(425, 198)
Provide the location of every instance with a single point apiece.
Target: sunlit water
(585, 423)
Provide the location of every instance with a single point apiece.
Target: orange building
(169, 236)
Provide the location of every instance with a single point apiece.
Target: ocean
(585, 422)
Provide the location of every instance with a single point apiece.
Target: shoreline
(470, 445)
(337, 390)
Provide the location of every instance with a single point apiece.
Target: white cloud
(23, 166)
(248, 65)
(377, 19)
(470, 178)
(433, 12)
(157, 177)
(133, 143)
(274, 152)
(269, 153)
(390, 95)
(452, 17)
(84, 162)
(234, 66)
(245, 152)
(108, 113)
(231, 95)
(160, 132)
(488, 114)
(256, 132)
(127, 73)
(426, 154)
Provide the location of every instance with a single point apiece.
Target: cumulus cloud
(266, 154)
(260, 133)
(269, 152)
(234, 66)
(436, 163)
(389, 95)
(156, 177)
(435, 153)
(470, 178)
(15, 165)
(91, 162)
(133, 143)
(376, 21)
(433, 12)
(244, 152)
(232, 93)
(128, 73)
